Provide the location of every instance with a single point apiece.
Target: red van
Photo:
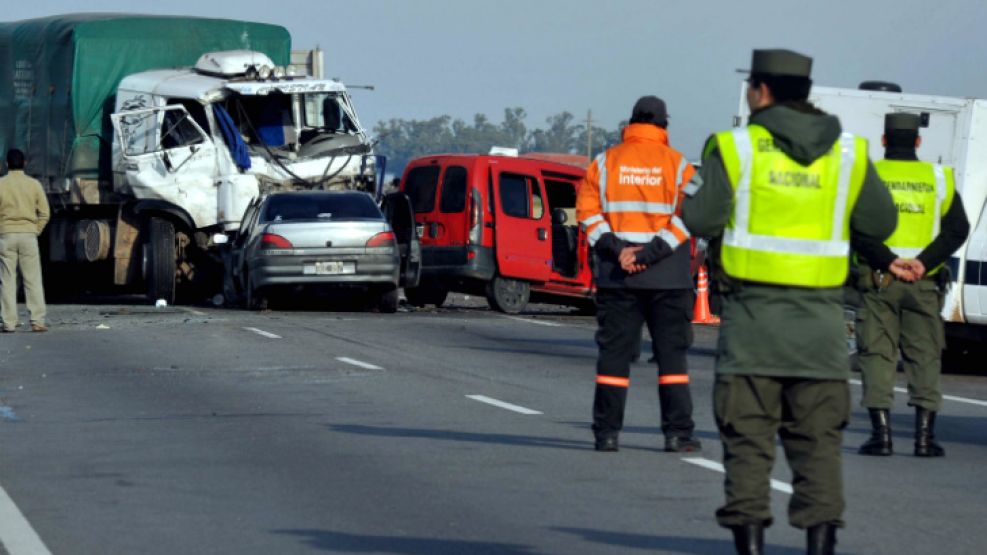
(503, 226)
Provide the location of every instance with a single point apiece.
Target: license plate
(329, 268)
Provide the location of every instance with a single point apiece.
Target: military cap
(900, 121)
(778, 61)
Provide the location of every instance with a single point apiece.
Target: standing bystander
(23, 214)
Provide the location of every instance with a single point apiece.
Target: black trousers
(620, 314)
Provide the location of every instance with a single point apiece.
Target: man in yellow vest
(902, 285)
(783, 197)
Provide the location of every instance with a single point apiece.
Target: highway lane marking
(539, 322)
(264, 333)
(713, 465)
(194, 311)
(16, 534)
(947, 397)
(359, 363)
(502, 404)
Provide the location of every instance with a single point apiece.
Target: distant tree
(560, 136)
(513, 131)
(402, 140)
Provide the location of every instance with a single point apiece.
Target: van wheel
(421, 296)
(508, 295)
(160, 266)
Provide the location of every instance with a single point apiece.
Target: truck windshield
(324, 111)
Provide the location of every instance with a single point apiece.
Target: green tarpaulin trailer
(58, 78)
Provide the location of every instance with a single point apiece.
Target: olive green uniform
(782, 361)
(905, 315)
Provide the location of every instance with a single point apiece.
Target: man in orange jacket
(629, 205)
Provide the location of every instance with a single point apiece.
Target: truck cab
(499, 225)
(202, 142)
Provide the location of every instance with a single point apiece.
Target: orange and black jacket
(632, 195)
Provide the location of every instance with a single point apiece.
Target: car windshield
(321, 206)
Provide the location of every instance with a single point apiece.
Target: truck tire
(160, 261)
(508, 295)
(421, 296)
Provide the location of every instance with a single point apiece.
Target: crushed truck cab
(151, 135)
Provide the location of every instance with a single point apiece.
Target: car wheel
(508, 295)
(421, 296)
(255, 299)
(388, 302)
(160, 261)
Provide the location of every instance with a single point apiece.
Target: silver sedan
(319, 239)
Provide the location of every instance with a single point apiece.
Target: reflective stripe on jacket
(790, 223)
(634, 189)
(922, 193)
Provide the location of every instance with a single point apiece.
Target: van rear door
(421, 184)
(451, 216)
(523, 243)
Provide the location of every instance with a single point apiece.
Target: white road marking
(502, 404)
(264, 333)
(713, 465)
(16, 534)
(946, 397)
(530, 321)
(359, 363)
(194, 311)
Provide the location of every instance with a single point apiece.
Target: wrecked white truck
(151, 136)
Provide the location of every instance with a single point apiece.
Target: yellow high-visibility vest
(922, 193)
(790, 223)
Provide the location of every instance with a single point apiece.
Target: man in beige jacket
(23, 214)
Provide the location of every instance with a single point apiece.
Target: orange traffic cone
(701, 313)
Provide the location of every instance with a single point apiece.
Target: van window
(520, 196)
(453, 190)
(420, 187)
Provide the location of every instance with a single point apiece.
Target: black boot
(879, 443)
(925, 434)
(748, 539)
(821, 539)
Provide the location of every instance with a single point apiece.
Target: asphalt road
(129, 429)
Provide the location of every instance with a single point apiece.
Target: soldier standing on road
(784, 196)
(629, 204)
(23, 215)
(902, 285)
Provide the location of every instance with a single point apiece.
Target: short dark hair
(15, 159)
(647, 118)
(901, 138)
(784, 88)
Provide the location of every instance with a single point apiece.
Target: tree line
(402, 139)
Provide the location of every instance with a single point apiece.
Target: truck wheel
(159, 258)
(421, 296)
(508, 295)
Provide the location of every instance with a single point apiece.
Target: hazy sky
(433, 57)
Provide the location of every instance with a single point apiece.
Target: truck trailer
(151, 135)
